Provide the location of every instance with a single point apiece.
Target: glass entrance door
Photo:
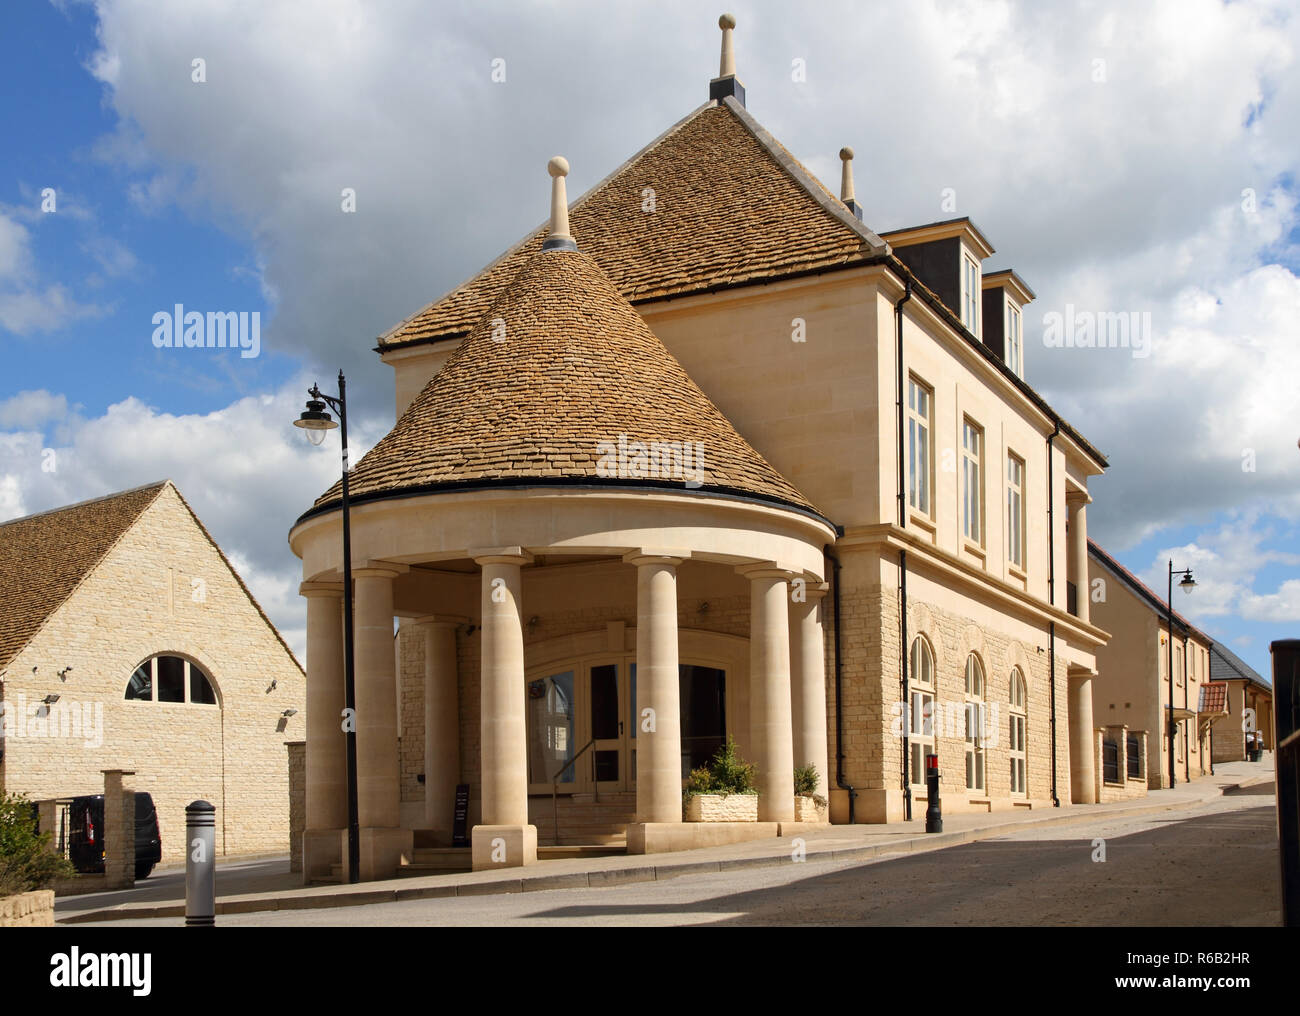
(607, 690)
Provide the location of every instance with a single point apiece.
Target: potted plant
(809, 806)
(722, 791)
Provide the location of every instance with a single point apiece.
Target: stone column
(659, 750)
(326, 803)
(1083, 763)
(808, 679)
(504, 839)
(1077, 504)
(441, 725)
(769, 690)
(119, 829)
(378, 766)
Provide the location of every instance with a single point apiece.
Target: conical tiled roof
(557, 377)
(714, 201)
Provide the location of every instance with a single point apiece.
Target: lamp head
(315, 421)
(1188, 583)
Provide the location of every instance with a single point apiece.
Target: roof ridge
(542, 226)
(87, 501)
(1146, 591)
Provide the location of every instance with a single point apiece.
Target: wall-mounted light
(275, 683)
(49, 700)
(289, 712)
(534, 621)
(63, 674)
(704, 606)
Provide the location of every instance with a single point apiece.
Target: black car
(86, 834)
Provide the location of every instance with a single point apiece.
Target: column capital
(321, 589)
(500, 555)
(378, 569)
(814, 588)
(439, 620)
(1076, 498)
(767, 570)
(657, 555)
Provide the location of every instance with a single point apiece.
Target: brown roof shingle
(730, 205)
(574, 369)
(43, 558)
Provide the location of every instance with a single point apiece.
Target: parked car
(86, 834)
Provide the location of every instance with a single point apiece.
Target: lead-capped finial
(559, 238)
(846, 182)
(726, 83)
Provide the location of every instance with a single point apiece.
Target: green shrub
(26, 861)
(727, 773)
(805, 780)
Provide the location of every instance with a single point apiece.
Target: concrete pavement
(252, 886)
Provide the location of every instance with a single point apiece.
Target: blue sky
(223, 195)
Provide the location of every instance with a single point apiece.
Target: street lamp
(1186, 585)
(315, 420)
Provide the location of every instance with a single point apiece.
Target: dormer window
(1014, 350)
(970, 294)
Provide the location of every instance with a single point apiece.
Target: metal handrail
(555, 784)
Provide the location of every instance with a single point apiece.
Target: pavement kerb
(600, 878)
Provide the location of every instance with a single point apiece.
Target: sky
(1137, 157)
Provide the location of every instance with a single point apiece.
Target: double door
(580, 727)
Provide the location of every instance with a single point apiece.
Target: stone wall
(721, 808)
(297, 751)
(28, 910)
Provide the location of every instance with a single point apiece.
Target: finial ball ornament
(727, 21)
(558, 166)
(846, 153)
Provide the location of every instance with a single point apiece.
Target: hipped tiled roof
(714, 201)
(559, 371)
(45, 557)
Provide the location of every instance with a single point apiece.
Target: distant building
(1132, 687)
(1249, 706)
(128, 641)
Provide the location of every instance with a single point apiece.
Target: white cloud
(26, 304)
(246, 471)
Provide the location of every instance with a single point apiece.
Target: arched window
(1018, 724)
(170, 679)
(921, 708)
(976, 723)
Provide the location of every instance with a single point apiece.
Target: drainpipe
(902, 555)
(1051, 599)
(839, 711)
(1187, 748)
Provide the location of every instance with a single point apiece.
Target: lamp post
(316, 421)
(1187, 584)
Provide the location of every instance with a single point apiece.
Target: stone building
(1132, 690)
(707, 458)
(1247, 706)
(127, 641)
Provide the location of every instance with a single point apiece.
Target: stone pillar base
(503, 846)
(321, 850)
(382, 851)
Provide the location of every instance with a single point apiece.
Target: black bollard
(200, 865)
(933, 813)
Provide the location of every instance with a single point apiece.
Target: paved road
(1215, 864)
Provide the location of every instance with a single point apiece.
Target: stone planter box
(28, 910)
(808, 810)
(722, 808)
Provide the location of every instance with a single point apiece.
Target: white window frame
(1014, 344)
(921, 708)
(1019, 734)
(972, 481)
(970, 295)
(920, 455)
(1016, 510)
(976, 726)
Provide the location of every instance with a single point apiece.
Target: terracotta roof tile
(1214, 698)
(578, 377)
(730, 205)
(45, 557)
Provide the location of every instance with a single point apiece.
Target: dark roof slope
(557, 371)
(1227, 666)
(45, 557)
